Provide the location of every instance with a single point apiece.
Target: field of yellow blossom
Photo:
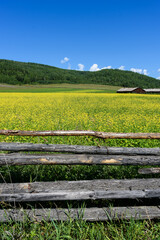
(80, 111)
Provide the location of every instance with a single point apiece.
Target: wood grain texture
(100, 184)
(77, 159)
(16, 147)
(88, 214)
(80, 190)
(104, 135)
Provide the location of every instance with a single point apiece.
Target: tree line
(13, 72)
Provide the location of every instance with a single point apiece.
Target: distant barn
(131, 90)
(152, 90)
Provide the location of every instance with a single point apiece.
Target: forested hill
(13, 72)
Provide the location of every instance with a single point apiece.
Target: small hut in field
(152, 90)
(131, 90)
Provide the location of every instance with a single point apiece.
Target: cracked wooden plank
(100, 184)
(79, 195)
(80, 190)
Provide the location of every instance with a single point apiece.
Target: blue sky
(84, 35)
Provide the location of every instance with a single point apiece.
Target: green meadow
(53, 88)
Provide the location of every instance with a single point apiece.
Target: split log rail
(81, 190)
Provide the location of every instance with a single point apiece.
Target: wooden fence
(148, 188)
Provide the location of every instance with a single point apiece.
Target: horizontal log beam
(149, 170)
(79, 195)
(100, 184)
(16, 147)
(104, 135)
(80, 190)
(88, 214)
(77, 159)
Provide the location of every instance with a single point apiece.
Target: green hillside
(13, 72)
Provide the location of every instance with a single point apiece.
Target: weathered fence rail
(17, 147)
(80, 190)
(82, 133)
(77, 159)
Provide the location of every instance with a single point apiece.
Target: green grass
(55, 88)
(81, 230)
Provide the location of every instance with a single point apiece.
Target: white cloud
(158, 78)
(137, 70)
(80, 67)
(108, 67)
(145, 72)
(121, 67)
(64, 60)
(159, 70)
(94, 68)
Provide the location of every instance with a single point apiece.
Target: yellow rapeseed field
(79, 111)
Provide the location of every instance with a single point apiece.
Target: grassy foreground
(123, 230)
(78, 111)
